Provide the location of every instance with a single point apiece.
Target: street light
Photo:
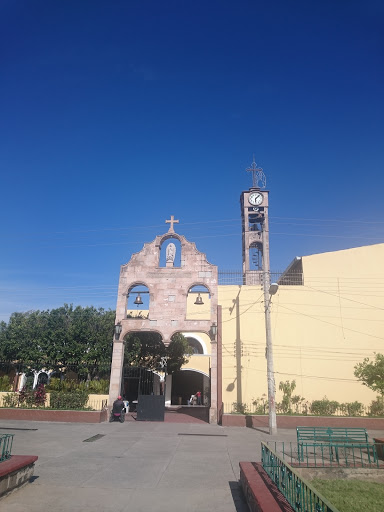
(273, 288)
(164, 367)
(270, 290)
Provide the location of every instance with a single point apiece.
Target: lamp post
(164, 367)
(269, 290)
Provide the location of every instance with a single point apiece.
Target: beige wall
(94, 401)
(319, 330)
(198, 311)
(199, 362)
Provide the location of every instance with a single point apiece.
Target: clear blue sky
(117, 114)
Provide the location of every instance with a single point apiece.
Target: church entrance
(186, 383)
(139, 381)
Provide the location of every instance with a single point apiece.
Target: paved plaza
(134, 466)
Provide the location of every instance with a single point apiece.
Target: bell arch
(198, 302)
(168, 287)
(138, 300)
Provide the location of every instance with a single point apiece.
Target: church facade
(327, 316)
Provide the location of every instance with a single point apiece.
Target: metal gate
(137, 381)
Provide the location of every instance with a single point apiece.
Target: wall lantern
(213, 331)
(118, 329)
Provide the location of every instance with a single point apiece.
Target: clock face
(256, 198)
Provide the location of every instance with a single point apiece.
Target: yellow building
(320, 328)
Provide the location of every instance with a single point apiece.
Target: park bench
(334, 437)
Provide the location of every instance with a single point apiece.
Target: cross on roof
(171, 222)
(258, 175)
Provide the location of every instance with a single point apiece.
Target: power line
(304, 376)
(345, 298)
(334, 325)
(307, 222)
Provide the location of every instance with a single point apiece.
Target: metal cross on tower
(258, 175)
(171, 222)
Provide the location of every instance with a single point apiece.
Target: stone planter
(54, 415)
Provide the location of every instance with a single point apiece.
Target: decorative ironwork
(144, 381)
(258, 177)
(300, 494)
(292, 278)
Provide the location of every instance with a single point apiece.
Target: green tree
(178, 352)
(287, 388)
(79, 338)
(145, 349)
(371, 373)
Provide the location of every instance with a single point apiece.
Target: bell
(138, 300)
(199, 300)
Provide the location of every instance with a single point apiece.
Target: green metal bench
(335, 437)
(6, 441)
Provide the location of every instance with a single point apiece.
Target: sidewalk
(134, 466)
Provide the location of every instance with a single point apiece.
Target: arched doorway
(186, 383)
(142, 360)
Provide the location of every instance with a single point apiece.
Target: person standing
(198, 396)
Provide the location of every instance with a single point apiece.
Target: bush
(352, 409)
(324, 407)
(10, 400)
(54, 384)
(240, 408)
(377, 407)
(260, 405)
(30, 398)
(68, 400)
(26, 398)
(99, 387)
(5, 383)
(40, 396)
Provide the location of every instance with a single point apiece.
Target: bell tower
(255, 227)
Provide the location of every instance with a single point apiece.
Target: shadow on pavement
(249, 424)
(238, 497)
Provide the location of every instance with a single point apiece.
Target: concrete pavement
(135, 466)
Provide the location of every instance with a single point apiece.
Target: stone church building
(327, 316)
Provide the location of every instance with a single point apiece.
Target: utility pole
(255, 231)
(268, 291)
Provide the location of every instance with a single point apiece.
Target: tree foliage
(178, 352)
(287, 388)
(371, 373)
(80, 339)
(146, 349)
(67, 336)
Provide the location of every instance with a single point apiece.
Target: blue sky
(116, 115)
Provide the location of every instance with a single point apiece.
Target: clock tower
(255, 228)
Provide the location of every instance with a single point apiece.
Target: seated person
(118, 406)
